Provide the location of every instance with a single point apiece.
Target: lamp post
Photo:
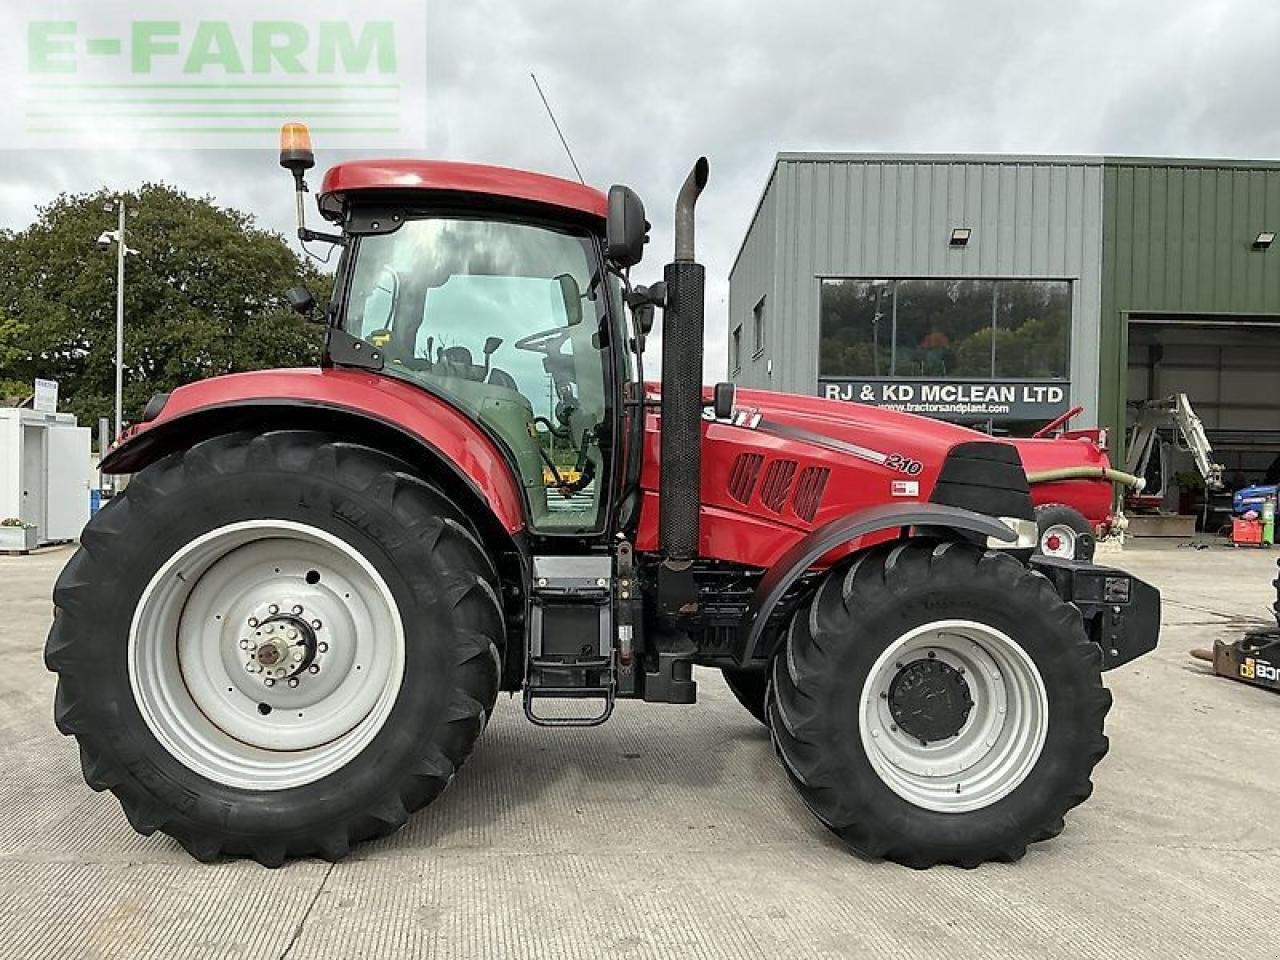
(105, 240)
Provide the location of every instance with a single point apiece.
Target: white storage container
(45, 472)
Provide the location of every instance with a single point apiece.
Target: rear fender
(751, 642)
(384, 412)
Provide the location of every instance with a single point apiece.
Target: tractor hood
(784, 464)
(871, 429)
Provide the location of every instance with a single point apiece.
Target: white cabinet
(45, 472)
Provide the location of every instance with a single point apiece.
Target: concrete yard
(671, 832)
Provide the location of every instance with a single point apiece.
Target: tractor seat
(456, 362)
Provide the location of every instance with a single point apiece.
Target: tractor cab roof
(406, 178)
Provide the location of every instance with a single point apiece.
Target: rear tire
(150, 627)
(868, 705)
(1063, 531)
(749, 687)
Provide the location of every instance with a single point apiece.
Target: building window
(946, 329)
(735, 349)
(757, 324)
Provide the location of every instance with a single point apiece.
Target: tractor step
(570, 643)
(534, 694)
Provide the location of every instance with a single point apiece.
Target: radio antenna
(537, 86)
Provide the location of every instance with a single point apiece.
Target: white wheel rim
(1058, 540)
(201, 686)
(1001, 737)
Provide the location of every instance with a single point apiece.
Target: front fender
(374, 404)
(806, 551)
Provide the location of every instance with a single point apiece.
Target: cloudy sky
(642, 88)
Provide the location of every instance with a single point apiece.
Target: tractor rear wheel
(748, 687)
(275, 645)
(937, 703)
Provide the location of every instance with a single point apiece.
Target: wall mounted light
(960, 236)
(1264, 239)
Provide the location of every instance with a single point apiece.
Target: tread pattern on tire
(804, 668)
(468, 600)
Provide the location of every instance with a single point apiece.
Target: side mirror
(626, 229)
(571, 293)
(300, 301)
(642, 301)
(491, 346)
(643, 317)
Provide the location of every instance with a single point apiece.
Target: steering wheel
(545, 341)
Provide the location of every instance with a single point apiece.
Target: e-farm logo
(218, 74)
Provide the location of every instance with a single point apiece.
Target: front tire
(275, 646)
(936, 703)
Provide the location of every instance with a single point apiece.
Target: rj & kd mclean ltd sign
(956, 399)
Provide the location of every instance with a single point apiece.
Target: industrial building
(1002, 290)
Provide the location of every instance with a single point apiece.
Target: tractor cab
(490, 289)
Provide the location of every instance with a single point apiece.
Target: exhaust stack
(682, 333)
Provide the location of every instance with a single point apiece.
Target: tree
(203, 297)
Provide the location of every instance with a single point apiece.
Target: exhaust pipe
(680, 482)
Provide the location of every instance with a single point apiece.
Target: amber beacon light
(295, 148)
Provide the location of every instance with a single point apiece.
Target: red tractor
(289, 631)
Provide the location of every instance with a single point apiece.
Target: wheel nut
(244, 644)
(253, 621)
(293, 681)
(273, 609)
(314, 668)
(297, 609)
(293, 634)
(269, 682)
(322, 647)
(252, 667)
(315, 624)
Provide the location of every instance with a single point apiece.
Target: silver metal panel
(883, 216)
(559, 568)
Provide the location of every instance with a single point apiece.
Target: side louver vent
(809, 490)
(742, 481)
(777, 484)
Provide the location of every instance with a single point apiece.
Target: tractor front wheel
(937, 703)
(275, 645)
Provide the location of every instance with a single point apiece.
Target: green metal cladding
(1178, 239)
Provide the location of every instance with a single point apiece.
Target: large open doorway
(1229, 368)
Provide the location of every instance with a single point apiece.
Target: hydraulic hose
(1087, 473)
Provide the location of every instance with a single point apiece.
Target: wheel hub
(930, 700)
(280, 648)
